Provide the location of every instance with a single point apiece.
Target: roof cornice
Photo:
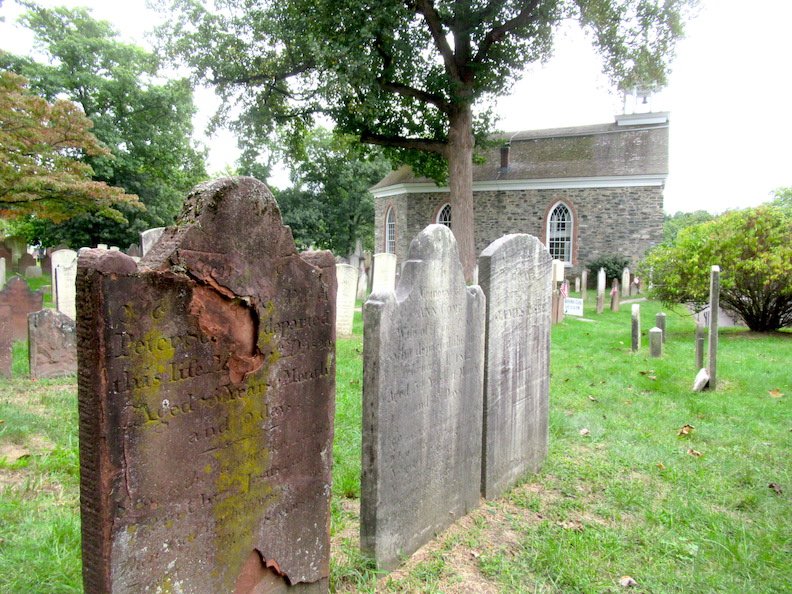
(559, 183)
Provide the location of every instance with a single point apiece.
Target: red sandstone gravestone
(21, 301)
(52, 347)
(206, 389)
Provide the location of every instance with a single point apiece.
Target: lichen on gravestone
(213, 365)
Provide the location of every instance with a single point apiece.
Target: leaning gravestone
(345, 303)
(52, 344)
(422, 401)
(148, 238)
(516, 278)
(213, 365)
(21, 301)
(384, 273)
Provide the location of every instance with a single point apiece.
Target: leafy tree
(673, 224)
(329, 206)
(146, 124)
(40, 143)
(783, 198)
(403, 75)
(753, 248)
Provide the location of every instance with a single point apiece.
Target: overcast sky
(729, 97)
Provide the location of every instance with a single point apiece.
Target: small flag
(614, 291)
(564, 289)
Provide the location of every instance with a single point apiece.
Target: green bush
(613, 265)
(753, 248)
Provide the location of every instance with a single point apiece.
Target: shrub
(613, 265)
(753, 248)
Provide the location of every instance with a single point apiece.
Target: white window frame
(560, 232)
(440, 219)
(390, 231)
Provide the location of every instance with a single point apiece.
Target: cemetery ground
(681, 491)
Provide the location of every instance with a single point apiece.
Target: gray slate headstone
(422, 401)
(515, 273)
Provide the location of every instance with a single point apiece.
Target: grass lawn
(627, 489)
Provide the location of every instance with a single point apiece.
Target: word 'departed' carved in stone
(516, 277)
(422, 401)
(206, 392)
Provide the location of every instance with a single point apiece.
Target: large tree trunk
(460, 183)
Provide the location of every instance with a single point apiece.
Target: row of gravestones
(212, 362)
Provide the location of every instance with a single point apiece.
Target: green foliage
(40, 147)
(329, 206)
(613, 265)
(673, 224)
(783, 198)
(753, 248)
(146, 124)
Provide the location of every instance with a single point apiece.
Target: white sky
(729, 96)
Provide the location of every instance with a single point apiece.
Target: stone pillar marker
(714, 307)
(614, 295)
(213, 364)
(345, 302)
(52, 344)
(660, 322)
(516, 279)
(601, 280)
(699, 345)
(577, 284)
(422, 401)
(625, 283)
(636, 327)
(583, 284)
(656, 342)
(384, 275)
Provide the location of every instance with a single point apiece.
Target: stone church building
(586, 192)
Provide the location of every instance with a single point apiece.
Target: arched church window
(559, 233)
(390, 231)
(444, 215)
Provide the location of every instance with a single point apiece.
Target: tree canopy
(145, 122)
(753, 248)
(40, 170)
(403, 75)
(329, 206)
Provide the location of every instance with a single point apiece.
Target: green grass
(624, 498)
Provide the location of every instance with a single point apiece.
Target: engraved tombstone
(213, 363)
(21, 301)
(65, 297)
(345, 303)
(515, 273)
(422, 401)
(61, 257)
(384, 273)
(625, 283)
(52, 344)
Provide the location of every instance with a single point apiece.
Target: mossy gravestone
(422, 401)
(515, 273)
(206, 395)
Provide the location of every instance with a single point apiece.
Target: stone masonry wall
(608, 221)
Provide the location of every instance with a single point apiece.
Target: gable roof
(630, 146)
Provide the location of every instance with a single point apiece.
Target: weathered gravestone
(68, 258)
(25, 261)
(17, 245)
(21, 301)
(515, 273)
(52, 344)
(213, 366)
(2, 272)
(6, 341)
(345, 303)
(5, 254)
(65, 286)
(46, 265)
(422, 401)
(149, 237)
(384, 273)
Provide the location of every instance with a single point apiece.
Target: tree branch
(408, 91)
(395, 141)
(525, 17)
(427, 9)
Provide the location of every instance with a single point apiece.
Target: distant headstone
(33, 272)
(6, 341)
(577, 284)
(21, 301)
(213, 365)
(65, 292)
(384, 273)
(714, 306)
(46, 265)
(517, 280)
(148, 238)
(52, 344)
(345, 303)
(134, 251)
(2, 272)
(583, 284)
(422, 401)
(625, 283)
(636, 327)
(5, 254)
(614, 296)
(601, 281)
(16, 245)
(660, 322)
(362, 285)
(62, 256)
(26, 261)
(102, 246)
(655, 342)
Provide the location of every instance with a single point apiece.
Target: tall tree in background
(40, 173)
(404, 75)
(329, 206)
(146, 124)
